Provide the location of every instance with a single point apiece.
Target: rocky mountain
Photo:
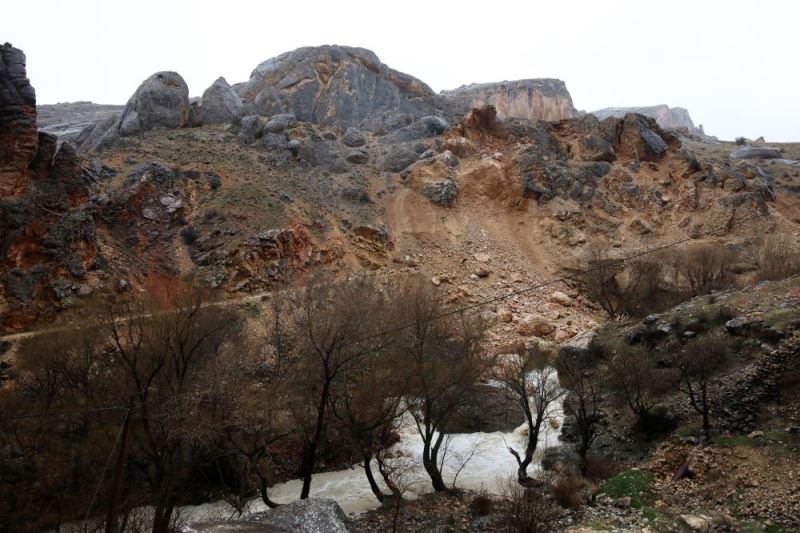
(337, 85)
(671, 118)
(328, 159)
(535, 99)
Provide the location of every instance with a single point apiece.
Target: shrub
(778, 257)
(637, 484)
(741, 141)
(189, 235)
(528, 511)
(566, 489)
(481, 504)
(600, 468)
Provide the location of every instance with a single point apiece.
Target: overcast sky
(735, 65)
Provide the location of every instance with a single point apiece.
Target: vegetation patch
(637, 484)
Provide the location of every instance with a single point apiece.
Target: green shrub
(636, 484)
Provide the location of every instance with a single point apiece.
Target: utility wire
(467, 307)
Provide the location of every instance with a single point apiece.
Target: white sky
(734, 64)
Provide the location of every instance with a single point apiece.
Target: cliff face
(534, 99)
(47, 237)
(334, 85)
(670, 118)
(18, 134)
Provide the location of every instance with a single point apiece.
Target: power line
(459, 309)
(565, 278)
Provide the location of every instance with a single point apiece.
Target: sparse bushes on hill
(635, 287)
(777, 256)
(643, 285)
(741, 141)
(704, 267)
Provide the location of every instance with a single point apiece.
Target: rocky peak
(162, 100)
(334, 84)
(669, 118)
(220, 103)
(532, 99)
(18, 133)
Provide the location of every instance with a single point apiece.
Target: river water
(490, 467)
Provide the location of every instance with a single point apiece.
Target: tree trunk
(706, 420)
(310, 453)
(429, 459)
(162, 514)
(376, 490)
(265, 494)
(111, 517)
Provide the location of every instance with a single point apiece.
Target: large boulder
(18, 134)
(313, 515)
(756, 152)
(334, 85)
(220, 103)
(534, 99)
(640, 138)
(161, 101)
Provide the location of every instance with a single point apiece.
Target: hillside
(152, 254)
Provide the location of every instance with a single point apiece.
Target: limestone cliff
(670, 118)
(533, 99)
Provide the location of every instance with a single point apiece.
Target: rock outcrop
(162, 100)
(669, 118)
(336, 85)
(47, 236)
(314, 515)
(756, 152)
(220, 103)
(18, 134)
(534, 99)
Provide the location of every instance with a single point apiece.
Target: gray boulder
(428, 126)
(220, 103)
(398, 159)
(250, 129)
(335, 85)
(353, 137)
(280, 122)
(756, 152)
(274, 141)
(359, 157)
(314, 515)
(161, 101)
(441, 192)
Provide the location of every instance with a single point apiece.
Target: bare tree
(583, 401)
(704, 267)
(696, 364)
(336, 326)
(157, 352)
(636, 381)
(442, 361)
(369, 404)
(620, 286)
(533, 382)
